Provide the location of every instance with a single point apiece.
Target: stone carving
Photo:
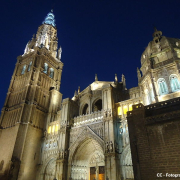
(109, 147)
(107, 113)
(59, 53)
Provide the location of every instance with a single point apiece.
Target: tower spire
(50, 19)
(123, 81)
(116, 79)
(96, 78)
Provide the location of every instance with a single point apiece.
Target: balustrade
(89, 118)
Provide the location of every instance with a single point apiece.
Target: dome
(158, 45)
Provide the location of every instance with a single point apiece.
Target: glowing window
(119, 111)
(57, 127)
(23, 69)
(53, 128)
(125, 109)
(51, 75)
(130, 107)
(162, 86)
(175, 85)
(45, 68)
(49, 130)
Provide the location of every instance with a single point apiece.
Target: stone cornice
(163, 117)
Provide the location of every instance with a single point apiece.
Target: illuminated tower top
(46, 36)
(50, 19)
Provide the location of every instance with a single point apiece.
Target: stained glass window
(29, 67)
(45, 68)
(162, 86)
(175, 85)
(23, 69)
(51, 75)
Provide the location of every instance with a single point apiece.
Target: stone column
(61, 169)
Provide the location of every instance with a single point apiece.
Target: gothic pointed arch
(86, 134)
(87, 151)
(47, 165)
(84, 109)
(126, 161)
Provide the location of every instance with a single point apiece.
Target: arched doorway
(49, 173)
(127, 167)
(88, 161)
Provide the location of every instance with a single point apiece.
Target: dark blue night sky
(97, 36)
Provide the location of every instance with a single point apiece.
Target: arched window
(85, 109)
(29, 67)
(175, 85)
(162, 86)
(23, 69)
(51, 75)
(49, 129)
(97, 106)
(45, 68)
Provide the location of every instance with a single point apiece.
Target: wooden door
(101, 173)
(92, 173)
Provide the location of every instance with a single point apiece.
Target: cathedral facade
(86, 137)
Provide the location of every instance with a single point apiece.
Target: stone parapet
(89, 118)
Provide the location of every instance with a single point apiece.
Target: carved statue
(95, 108)
(138, 74)
(107, 147)
(59, 53)
(26, 48)
(111, 146)
(65, 153)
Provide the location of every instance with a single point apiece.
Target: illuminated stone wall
(32, 103)
(154, 139)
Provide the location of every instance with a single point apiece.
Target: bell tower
(32, 101)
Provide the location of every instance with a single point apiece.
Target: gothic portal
(44, 137)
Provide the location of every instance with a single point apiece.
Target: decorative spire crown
(96, 78)
(116, 78)
(50, 19)
(157, 35)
